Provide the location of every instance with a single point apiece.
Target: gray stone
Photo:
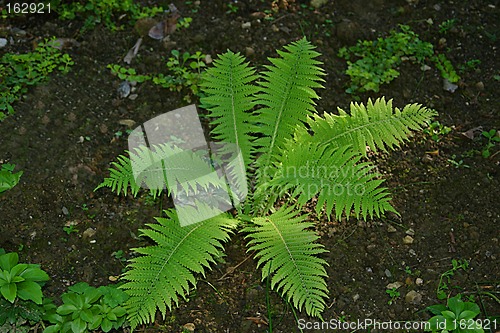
(413, 297)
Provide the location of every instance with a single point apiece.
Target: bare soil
(63, 137)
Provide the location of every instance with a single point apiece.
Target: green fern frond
(335, 177)
(121, 177)
(377, 125)
(288, 253)
(155, 168)
(230, 95)
(166, 271)
(287, 98)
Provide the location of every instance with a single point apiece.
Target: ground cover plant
(20, 71)
(443, 182)
(286, 250)
(377, 60)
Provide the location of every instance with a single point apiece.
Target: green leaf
(229, 97)
(334, 177)
(435, 322)
(29, 290)
(165, 271)
(87, 315)
(287, 254)
(66, 309)
(52, 329)
(9, 260)
(467, 314)
(78, 326)
(377, 125)
(119, 311)
(9, 291)
(287, 97)
(34, 273)
(456, 305)
(95, 322)
(80, 287)
(92, 295)
(18, 269)
(436, 309)
(106, 325)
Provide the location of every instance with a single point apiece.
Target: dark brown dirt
(453, 211)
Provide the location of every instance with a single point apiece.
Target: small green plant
(107, 12)
(493, 138)
(445, 26)
(120, 256)
(9, 179)
(446, 68)
(469, 65)
(457, 316)
(445, 278)
(232, 8)
(457, 163)
(20, 71)
(21, 316)
(127, 74)
(184, 22)
(186, 72)
(70, 229)
(22, 281)
(377, 60)
(264, 115)
(86, 308)
(437, 131)
(393, 294)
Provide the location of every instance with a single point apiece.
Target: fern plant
(290, 154)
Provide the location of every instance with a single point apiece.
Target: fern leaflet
(162, 167)
(166, 270)
(376, 125)
(121, 177)
(229, 98)
(287, 98)
(288, 253)
(336, 177)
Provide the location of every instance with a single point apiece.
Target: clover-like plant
(22, 281)
(458, 317)
(87, 308)
(8, 179)
(290, 155)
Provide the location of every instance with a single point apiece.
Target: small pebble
(448, 86)
(408, 240)
(413, 297)
(246, 25)
(89, 233)
(419, 281)
(65, 211)
(249, 51)
(391, 229)
(388, 273)
(394, 285)
(355, 297)
(190, 327)
(3, 42)
(410, 232)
